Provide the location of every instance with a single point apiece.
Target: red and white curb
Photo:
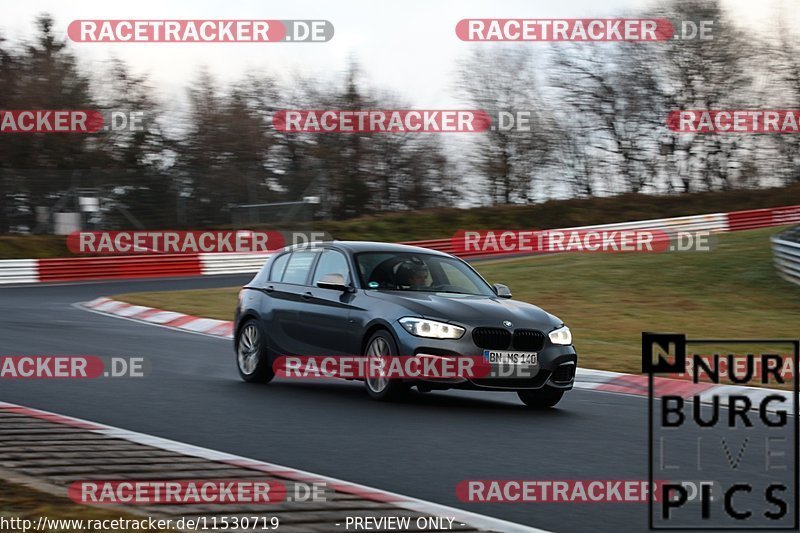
(637, 385)
(362, 491)
(585, 378)
(159, 317)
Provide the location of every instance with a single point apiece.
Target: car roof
(373, 246)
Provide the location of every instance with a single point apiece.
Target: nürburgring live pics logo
(742, 441)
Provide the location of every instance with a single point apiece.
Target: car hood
(470, 310)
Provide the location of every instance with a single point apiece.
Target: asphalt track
(420, 448)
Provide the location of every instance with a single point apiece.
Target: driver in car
(414, 276)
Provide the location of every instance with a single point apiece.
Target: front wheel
(543, 398)
(381, 388)
(251, 353)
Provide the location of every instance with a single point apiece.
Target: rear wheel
(251, 353)
(543, 398)
(382, 345)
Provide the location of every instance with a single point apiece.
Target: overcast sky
(409, 46)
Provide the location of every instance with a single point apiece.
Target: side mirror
(333, 281)
(501, 290)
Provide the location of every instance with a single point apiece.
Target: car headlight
(421, 327)
(561, 336)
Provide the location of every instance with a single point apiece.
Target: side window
(299, 267)
(332, 262)
(278, 266)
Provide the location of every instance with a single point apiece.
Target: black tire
(395, 389)
(258, 370)
(543, 398)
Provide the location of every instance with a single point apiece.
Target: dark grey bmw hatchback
(376, 300)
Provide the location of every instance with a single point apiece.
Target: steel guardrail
(786, 254)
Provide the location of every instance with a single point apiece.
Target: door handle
(307, 295)
(269, 288)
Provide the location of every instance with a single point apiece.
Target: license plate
(503, 357)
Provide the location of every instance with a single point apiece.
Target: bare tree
(510, 161)
(706, 74)
(609, 92)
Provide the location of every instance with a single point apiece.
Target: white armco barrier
(19, 271)
(236, 263)
(786, 255)
(717, 222)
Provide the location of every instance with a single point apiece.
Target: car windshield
(410, 271)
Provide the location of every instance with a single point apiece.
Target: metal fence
(786, 254)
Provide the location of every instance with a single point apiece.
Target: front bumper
(557, 364)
